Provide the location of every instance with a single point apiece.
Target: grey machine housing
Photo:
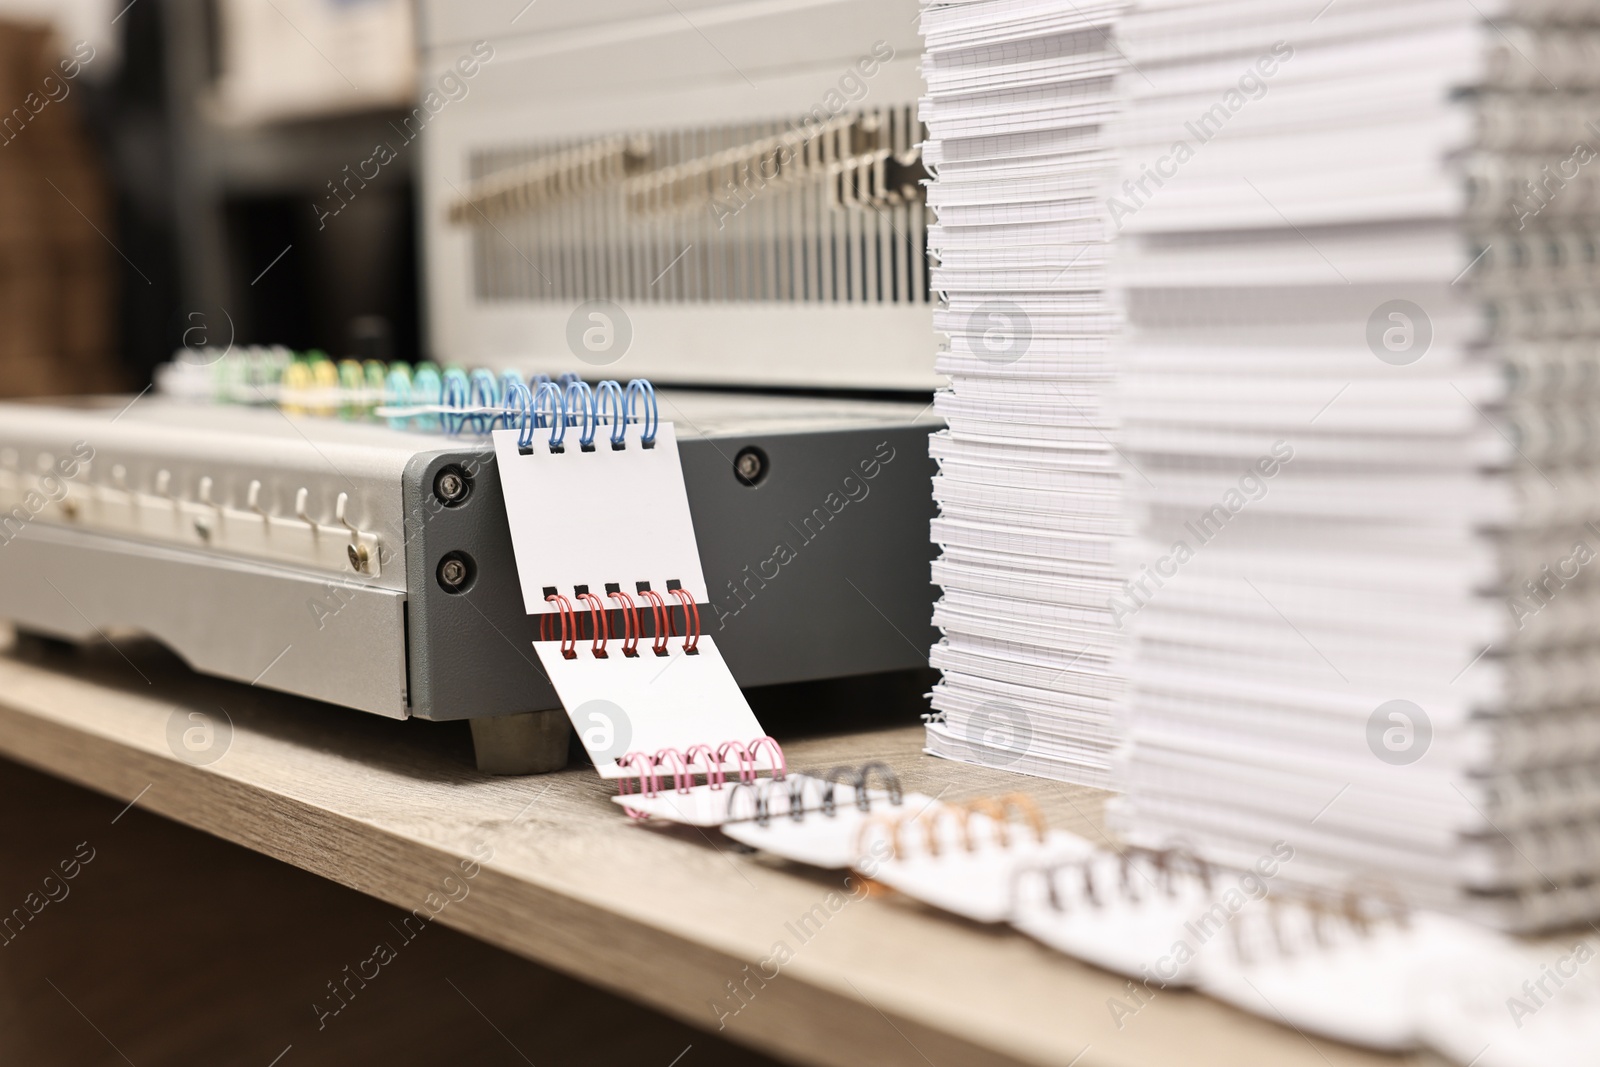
(811, 518)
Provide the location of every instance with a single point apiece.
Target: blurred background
(160, 162)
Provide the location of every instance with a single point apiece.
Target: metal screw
(453, 573)
(358, 557)
(750, 465)
(451, 486)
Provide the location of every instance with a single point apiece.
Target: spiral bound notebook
(828, 821)
(730, 769)
(1358, 966)
(1354, 969)
(742, 795)
(1360, 401)
(1519, 1009)
(597, 519)
(1367, 970)
(822, 819)
(965, 858)
(1028, 487)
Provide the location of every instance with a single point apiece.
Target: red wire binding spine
(691, 621)
(630, 624)
(569, 626)
(663, 619)
(599, 625)
(666, 623)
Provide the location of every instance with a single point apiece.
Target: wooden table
(667, 916)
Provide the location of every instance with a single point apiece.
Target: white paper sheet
(648, 703)
(591, 518)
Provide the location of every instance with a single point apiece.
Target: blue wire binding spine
(455, 400)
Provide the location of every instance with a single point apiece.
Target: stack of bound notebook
(1357, 245)
(1028, 487)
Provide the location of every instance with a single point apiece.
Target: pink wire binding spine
(649, 784)
(682, 776)
(714, 775)
(710, 761)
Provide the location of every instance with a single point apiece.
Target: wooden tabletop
(667, 916)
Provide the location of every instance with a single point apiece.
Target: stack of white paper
(1019, 92)
(1356, 244)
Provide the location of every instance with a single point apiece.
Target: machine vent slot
(779, 212)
